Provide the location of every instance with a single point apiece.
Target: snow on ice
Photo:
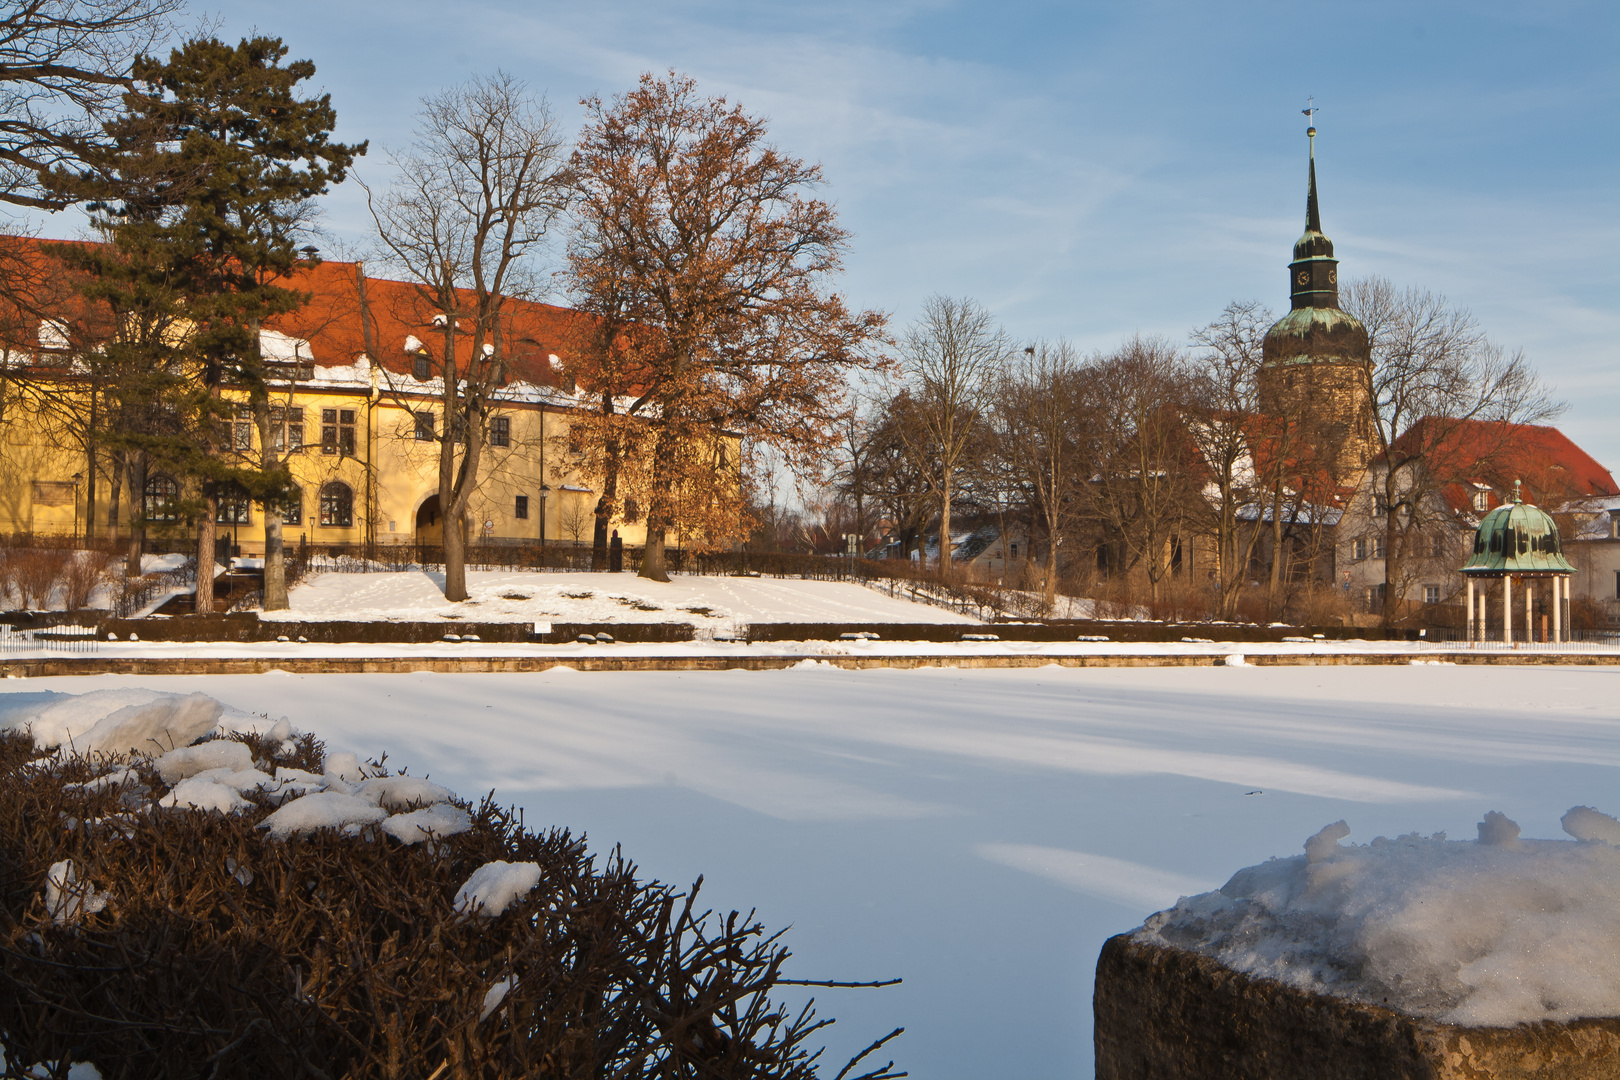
(1495, 931)
(978, 832)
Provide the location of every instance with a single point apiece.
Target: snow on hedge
(180, 736)
(1488, 932)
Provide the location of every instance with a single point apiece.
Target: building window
(162, 493)
(292, 507)
(1437, 546)
(521, 510)
(1361, 549)
(500, 431)
(231, 507)
(422, 367)
(1380, 506)
(574, 445)
(1431, 594)
(242, 429)
(337, 432)
(1378, 548)
(286, 429)
(337, 506)
(1482, 501)
(424, 426)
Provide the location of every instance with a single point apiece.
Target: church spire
(1313, 216)
(1313, 276)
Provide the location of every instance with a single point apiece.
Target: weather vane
(1310, 110)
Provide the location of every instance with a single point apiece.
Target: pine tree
(246, 156)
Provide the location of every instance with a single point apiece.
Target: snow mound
(1493, 932)
(227, 754)
(198, 794)
(496, 886)
(431, 822)
(118, 721)
(403, 792)
(321, 810)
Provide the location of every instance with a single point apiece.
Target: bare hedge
(222, 953)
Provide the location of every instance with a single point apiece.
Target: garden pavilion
(1519, 542)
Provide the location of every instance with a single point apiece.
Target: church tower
(1316, 364)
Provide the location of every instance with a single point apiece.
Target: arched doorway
(429, 522)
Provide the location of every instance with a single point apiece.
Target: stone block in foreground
(1165, 1013)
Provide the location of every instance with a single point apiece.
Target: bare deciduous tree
(952, 357)
(1045, 412)
(1146, 483)
(64, 65)
(1434, 371)
(1225, 425)
(470, 210)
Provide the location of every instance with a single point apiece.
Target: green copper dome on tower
(1517, 538)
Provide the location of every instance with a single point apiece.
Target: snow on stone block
(1489, 933)
(496, 886)
(226, 754)
(428, 823)
(168, 722)
(198, 794)
(68, 897)
(1585, 823)
(403, 792)
(321, 810)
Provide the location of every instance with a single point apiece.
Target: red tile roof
(1476, 454)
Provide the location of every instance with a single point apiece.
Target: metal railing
(50, 639)
(1526, 640)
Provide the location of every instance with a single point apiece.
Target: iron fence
(56, 639)
(1526, 640)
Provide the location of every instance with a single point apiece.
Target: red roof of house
(331, 321)
(1475, 455)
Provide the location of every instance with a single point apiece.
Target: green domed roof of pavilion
(1517, 538)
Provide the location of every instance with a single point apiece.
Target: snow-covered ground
(979, 833)
(711, 602)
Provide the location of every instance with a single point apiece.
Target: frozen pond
(979, 833)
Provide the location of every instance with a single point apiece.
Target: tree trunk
(205, 556)
(453, 525)
(115, 477)
(137, 517)
(90, 471)
(652, 556)
(945, 528)
(1275, 586)
(599, 534)
(275, 563)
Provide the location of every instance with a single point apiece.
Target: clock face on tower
(1304, 277)
(1333, 277)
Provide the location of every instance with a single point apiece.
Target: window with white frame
(1431, 594)
(1482, 501)
(1360, 548)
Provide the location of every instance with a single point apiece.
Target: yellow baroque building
(357, 413)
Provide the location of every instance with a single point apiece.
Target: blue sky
(1094, 170)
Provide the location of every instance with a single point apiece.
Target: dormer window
(421, 367)
(53, 335)
(1482, 500)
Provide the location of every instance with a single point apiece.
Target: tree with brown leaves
(698, 245)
